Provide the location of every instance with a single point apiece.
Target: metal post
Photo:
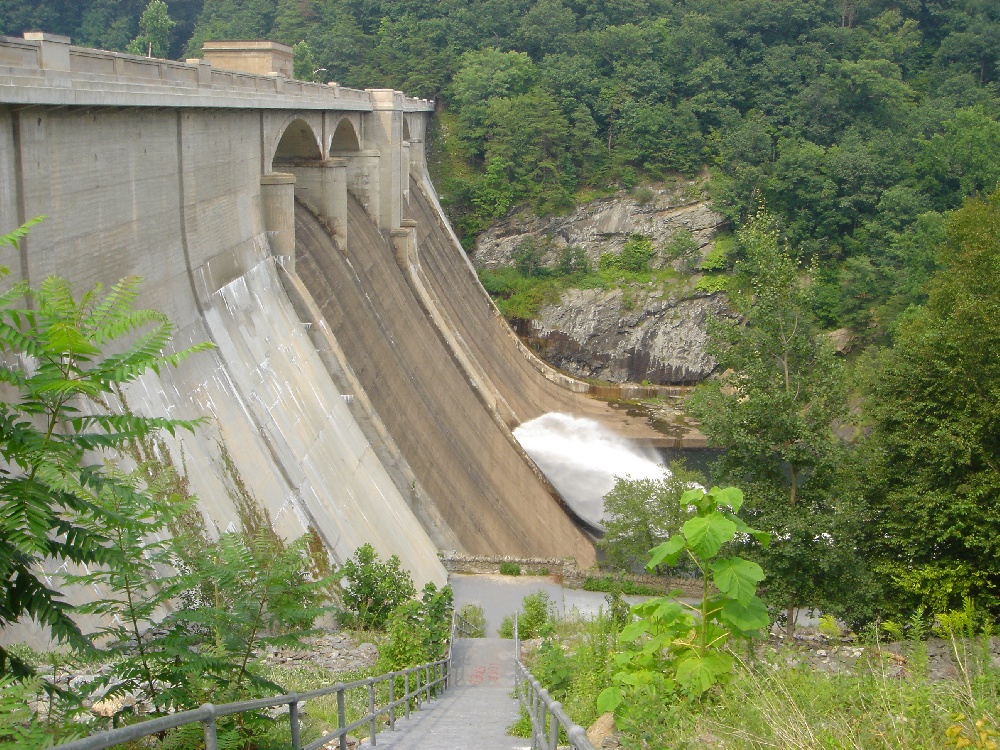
(211, 739)
(392, 701)
(406, 691)
(341, 718)
(293, 720)
(373, 729)
(427, 682)
(553, 726)
(416, 689)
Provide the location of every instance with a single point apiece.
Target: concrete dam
(362, 385)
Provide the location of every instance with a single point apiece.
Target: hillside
(857, 124)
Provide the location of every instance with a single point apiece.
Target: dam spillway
(363, 386)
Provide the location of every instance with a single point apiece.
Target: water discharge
(582, 458)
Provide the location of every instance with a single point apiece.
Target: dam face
(362, 385)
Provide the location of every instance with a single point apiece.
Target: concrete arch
(406, 128)
(345, 138)
(298, 143)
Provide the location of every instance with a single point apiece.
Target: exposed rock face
(621, 337)
(600, 226)
(633, 334)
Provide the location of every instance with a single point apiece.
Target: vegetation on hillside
(857, 123)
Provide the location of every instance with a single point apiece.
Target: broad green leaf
(731, 496)
(707, 534)
(698, 673)
(745, 617)
(692, 497)
(634, 629)
(737, 577)
(609, 699)
(666, 552)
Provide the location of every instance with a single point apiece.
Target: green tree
(154, 27)
(373, 588)
(772, 411)
(63, 414)
(639, 514)
(933, 457)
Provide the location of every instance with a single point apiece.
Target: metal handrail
(463, 627)
(429, 680)
(536, 701)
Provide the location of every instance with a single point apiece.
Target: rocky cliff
(637, 332)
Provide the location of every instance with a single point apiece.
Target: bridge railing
(546, 714)
(420, 683)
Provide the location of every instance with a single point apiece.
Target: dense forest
(853, 146)
(857, 124)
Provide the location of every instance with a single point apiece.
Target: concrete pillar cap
(277, 178)
(44, 36)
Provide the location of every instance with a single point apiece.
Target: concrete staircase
(474, 713)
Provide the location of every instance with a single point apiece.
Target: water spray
(582, 459)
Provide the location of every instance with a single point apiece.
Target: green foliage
(508, 568)
(306, 66)
(639, 514)
(373, 589)
(51, 500)
(634, 256)
(408, 637)
(418, 630)
(773, 413)
(154, 25)
(718, 258)
(712, 284)
(828, 626)
(617, 585)
(537, 612)
(19, 727)
(683, 249)
(474, 615)
(930, 463)
(679, 648)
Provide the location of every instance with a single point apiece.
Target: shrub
(508, 568)
(712, 283)
(634, 256)
(537, 610)
(372, 589)
(718, 258)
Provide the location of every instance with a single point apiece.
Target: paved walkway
(474, 713)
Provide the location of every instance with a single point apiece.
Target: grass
(802, 708)
(767, 704)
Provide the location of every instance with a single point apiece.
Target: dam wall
(362, 385)
(174, 191)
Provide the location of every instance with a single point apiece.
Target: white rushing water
(582, 458)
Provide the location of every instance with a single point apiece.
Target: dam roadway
(363, 386)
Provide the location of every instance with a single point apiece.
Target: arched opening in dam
(345, 139)
(298, 143)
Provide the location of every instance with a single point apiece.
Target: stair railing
(539, 705)
(421, 682)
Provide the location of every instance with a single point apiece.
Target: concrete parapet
(257, 57)
(53, 50)
(44, 68)
(277, 197)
